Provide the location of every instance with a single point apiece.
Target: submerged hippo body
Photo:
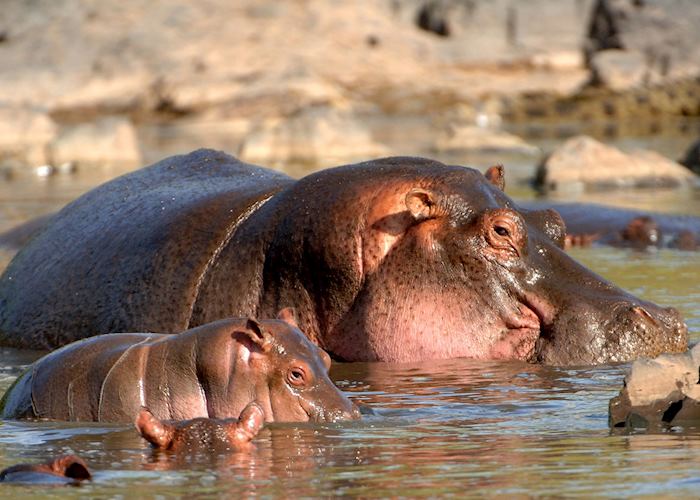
(588, 223)
(395, 259)
(65, 469)
(215, 370)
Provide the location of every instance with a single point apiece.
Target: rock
(24, 136)
(584, 163)
(691, 159)
(313, 135)
(662, 32)
(108, 141)
(618, 69)
(473, 138)
(663, 390)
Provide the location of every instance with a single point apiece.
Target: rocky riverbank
(319, 80)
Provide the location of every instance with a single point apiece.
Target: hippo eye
(501, 231)
(296, 376)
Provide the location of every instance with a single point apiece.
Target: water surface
(448, 428)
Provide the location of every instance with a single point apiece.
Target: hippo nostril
(643, 313)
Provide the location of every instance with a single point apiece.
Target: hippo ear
(249, 424)
(158, 433)
(288, 315)
(71, 466)
(496, 176)
(258, 334)
(420, 203)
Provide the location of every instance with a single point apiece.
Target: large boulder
(24, 136)
(481, 139)
(583, 163)
(108, 141)
(660, 391)
(314, 135)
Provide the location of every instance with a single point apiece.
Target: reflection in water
(456, 427)
(439, 427)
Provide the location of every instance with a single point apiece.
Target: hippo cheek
(320, 402)
(288, 406)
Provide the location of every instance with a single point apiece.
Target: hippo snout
(341, 415)
(615, 330)
(648, 330)
(345, 410)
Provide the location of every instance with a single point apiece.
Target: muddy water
(455, 427)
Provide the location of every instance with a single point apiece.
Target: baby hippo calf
(66, 469)
(214, 371)
(202, 433)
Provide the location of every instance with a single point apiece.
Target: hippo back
(130, 254)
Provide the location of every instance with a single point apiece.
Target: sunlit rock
(481, 139)
(584, 163)
(663, 390)
(111, 141)
(24, 136)
(317, 134)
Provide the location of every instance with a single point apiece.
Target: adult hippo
(396, 259)
(588, 223)
(215, 370)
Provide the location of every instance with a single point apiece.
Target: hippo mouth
(523, 330)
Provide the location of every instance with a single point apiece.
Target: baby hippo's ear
(255, 332)
(288, 315)
(158, 433)
(249, 424)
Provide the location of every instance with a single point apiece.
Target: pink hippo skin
(396, 259)
(66, 469)
(213, 371)
(202, 434)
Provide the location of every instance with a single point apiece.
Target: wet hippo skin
(215, 370)
(65, 469)
(395, 259)
(202, 434)
(590, 223)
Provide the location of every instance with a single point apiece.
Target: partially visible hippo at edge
(395, 259)
(65, 469)
(215, 371)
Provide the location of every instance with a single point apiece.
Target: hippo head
(295, 373)
(452, 267)
(202, 433)
(642, 232)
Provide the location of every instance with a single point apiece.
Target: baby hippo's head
(202, 433)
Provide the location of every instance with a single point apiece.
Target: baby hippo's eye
(297, 376)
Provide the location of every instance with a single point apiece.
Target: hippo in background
(397, 259)
(588, 224)
(202, 434)
(65, 469)
(215, 370)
